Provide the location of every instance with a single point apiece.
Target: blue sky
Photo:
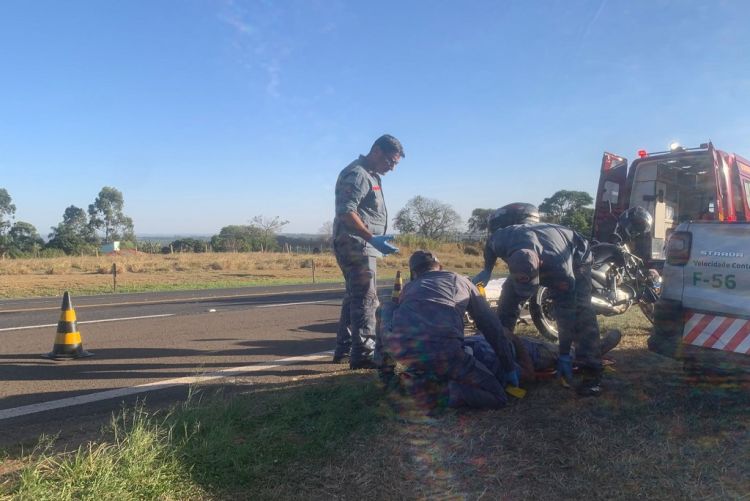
(207, 113)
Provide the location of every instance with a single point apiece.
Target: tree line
(79, 231)
(84, 231)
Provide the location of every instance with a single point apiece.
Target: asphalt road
(155, 342)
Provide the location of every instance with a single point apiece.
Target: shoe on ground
(591, 385)
(365, 363)
(589, 389)
(609, 340)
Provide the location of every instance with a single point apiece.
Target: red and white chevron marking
(720, 333)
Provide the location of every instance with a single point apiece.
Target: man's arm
(491, 328)
(489, 264)
(355, 224)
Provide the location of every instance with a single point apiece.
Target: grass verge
(654, 434)
(210, 447)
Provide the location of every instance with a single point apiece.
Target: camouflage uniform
(358, 190)
(425, 333)
(565, 268)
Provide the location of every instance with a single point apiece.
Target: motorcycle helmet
(515, 213)
(634, 222)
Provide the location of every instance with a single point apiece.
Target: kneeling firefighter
(425, 333)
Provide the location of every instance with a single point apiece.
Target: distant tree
(7, 211)
(24, 239)
(478, 222)
(73, 234)
(106, 215)
(188, 245)
(428, 218)
(569, 208)
(150, 246)
(268, 229)
(237, 238)
(326, 232)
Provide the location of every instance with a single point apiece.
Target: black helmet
(634, 222)
(515, 213)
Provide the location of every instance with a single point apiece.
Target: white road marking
(156, 385)
(293, 304)
(87, 322)
(175, 300)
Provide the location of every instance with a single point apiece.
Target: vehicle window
(611, 192)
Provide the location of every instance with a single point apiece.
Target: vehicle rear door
(741, 183)
(611, 196)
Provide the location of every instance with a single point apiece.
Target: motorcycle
(619, 280)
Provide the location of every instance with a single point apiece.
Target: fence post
(313, 270)
(114, 277)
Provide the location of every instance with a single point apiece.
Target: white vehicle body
(704, 309)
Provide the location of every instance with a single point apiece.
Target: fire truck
(675, 186)
(700, 201)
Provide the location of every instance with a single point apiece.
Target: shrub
(472, 251)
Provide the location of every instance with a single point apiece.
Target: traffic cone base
(68, 344)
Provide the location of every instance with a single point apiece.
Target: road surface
(156, 345)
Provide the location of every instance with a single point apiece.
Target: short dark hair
(389, 145)
(423, 261)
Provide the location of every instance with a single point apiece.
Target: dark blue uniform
(358, 190)
(565, 268)
(425, 332)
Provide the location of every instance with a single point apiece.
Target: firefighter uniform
(425, 332)
(358, 189)
(563, 264)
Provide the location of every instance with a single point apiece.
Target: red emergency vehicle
(682, 184)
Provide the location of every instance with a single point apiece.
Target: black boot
(591, 385)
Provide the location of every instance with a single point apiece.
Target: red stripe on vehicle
(738, 338)
(696, 331)
(715, 336)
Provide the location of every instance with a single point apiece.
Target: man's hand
(380, 242)
(483, 277)
(565, 369)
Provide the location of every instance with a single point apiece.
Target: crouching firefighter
(424, 332)
(560, 259)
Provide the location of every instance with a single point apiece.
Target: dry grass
(143, 272)
(654, 434)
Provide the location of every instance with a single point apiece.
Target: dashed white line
(87, 322)
(294, 304)
(156, 385)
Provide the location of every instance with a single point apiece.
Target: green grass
(655, 433)
(222, 446)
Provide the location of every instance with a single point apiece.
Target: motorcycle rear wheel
(543, 314)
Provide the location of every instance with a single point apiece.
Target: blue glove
(565, 368)
(511, 378)
(483, 276)
(380, 242)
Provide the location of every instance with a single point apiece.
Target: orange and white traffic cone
(68, 343)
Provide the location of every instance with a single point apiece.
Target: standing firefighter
(425, 333)
(358, 239)
(558, 258)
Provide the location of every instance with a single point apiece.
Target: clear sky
(206, 113)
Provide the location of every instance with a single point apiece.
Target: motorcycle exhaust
(606, 308)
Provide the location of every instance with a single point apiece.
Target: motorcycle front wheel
(543, 314)
(648, 311)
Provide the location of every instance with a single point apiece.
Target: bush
(472, 251)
